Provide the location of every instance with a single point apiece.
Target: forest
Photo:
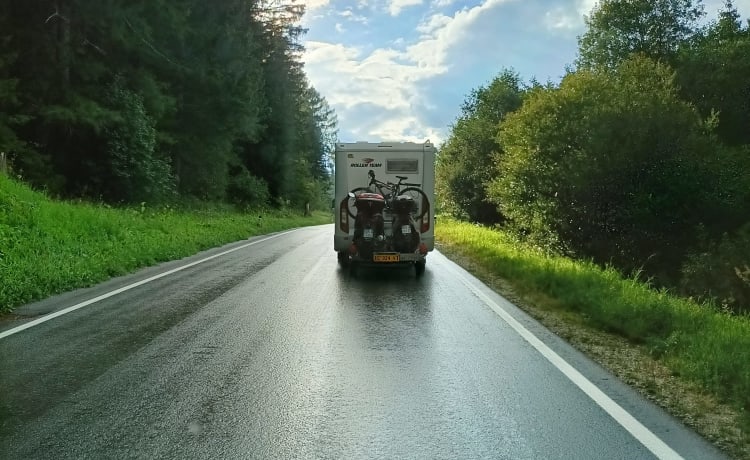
(638, 159)
(162, 101)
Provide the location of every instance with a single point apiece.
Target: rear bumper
(404, 259)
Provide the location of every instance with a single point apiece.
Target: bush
(721, 272)
(611, 165)
(248, 190)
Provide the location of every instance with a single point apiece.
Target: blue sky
(398, 70)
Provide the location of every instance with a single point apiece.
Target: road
(272, 351)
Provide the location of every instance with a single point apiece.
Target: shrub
(721, 272)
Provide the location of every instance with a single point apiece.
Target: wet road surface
(272, 351)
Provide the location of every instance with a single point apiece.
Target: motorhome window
(401, 166)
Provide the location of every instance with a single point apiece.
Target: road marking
(86, 303)
(645, 436)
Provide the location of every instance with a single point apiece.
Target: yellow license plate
(385, 257)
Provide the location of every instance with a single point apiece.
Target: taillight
(344, 216)
(425, 225)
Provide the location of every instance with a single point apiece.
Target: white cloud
(561, 19)
(395, 6)
(381, 94)
(352, 16)
(315, 4)
(435, 22)
(389, 93)
(377, 94)
(443, 34)
(584, 7)
(340, 28)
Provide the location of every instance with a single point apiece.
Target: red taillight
(344, 216)
(422, 248)
(353, 249)
(425, 225)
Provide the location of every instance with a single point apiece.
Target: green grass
(48, 247)
(695, 340)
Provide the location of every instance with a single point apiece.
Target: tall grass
(47, 246)
(695, 340)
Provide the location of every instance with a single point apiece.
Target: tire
(420, 198)
(343, 258)
(350, 208)
(419, 268)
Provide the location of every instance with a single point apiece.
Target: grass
(694, 340)
(48, 247)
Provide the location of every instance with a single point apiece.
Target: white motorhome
(386, 172)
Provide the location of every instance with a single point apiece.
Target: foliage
(655, 28)
(248, 190)
(133, 101)
(721, 272)
(137, 173)
(696, 342)
(465, 163)
(611, 165)
(713, 71)
(84, 244)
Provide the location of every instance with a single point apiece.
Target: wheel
(343, 258)
(419, 268)
(420, 198)
(350, 208)
(353, 269)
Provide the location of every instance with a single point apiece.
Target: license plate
(386, 257)
(368, 233)
(406, 229)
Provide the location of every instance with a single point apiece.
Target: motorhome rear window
(401, 166)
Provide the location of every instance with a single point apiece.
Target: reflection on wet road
(274, 352)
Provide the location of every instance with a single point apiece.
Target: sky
(399, 70)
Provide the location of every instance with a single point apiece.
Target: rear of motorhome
(384, 203)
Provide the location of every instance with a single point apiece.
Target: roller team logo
(367, 163)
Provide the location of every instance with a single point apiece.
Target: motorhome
(384, 203)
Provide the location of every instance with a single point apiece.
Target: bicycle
(390, 192)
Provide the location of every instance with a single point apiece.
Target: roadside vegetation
(162, 100)
(639, 158)
(48, 247)
(620, 195)
(697, 342)
(178, 120)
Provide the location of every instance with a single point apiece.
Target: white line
(54, 315)
(652, 442)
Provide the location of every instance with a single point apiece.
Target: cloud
(406, 81)
(352, 16)
(561, 19)
(584, 7)
(377, 94)
(315, 4)
(395, 6)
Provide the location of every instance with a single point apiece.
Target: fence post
(3, 164)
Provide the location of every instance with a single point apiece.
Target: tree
(110, 94)
(619, 28)
(611, 165)
(465, 163)
(713, 71)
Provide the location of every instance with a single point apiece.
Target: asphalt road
(272, 351)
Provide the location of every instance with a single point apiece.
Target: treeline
(638, 158)
(159, 100)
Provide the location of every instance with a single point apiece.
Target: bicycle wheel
(420, 198)
(350, 207)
